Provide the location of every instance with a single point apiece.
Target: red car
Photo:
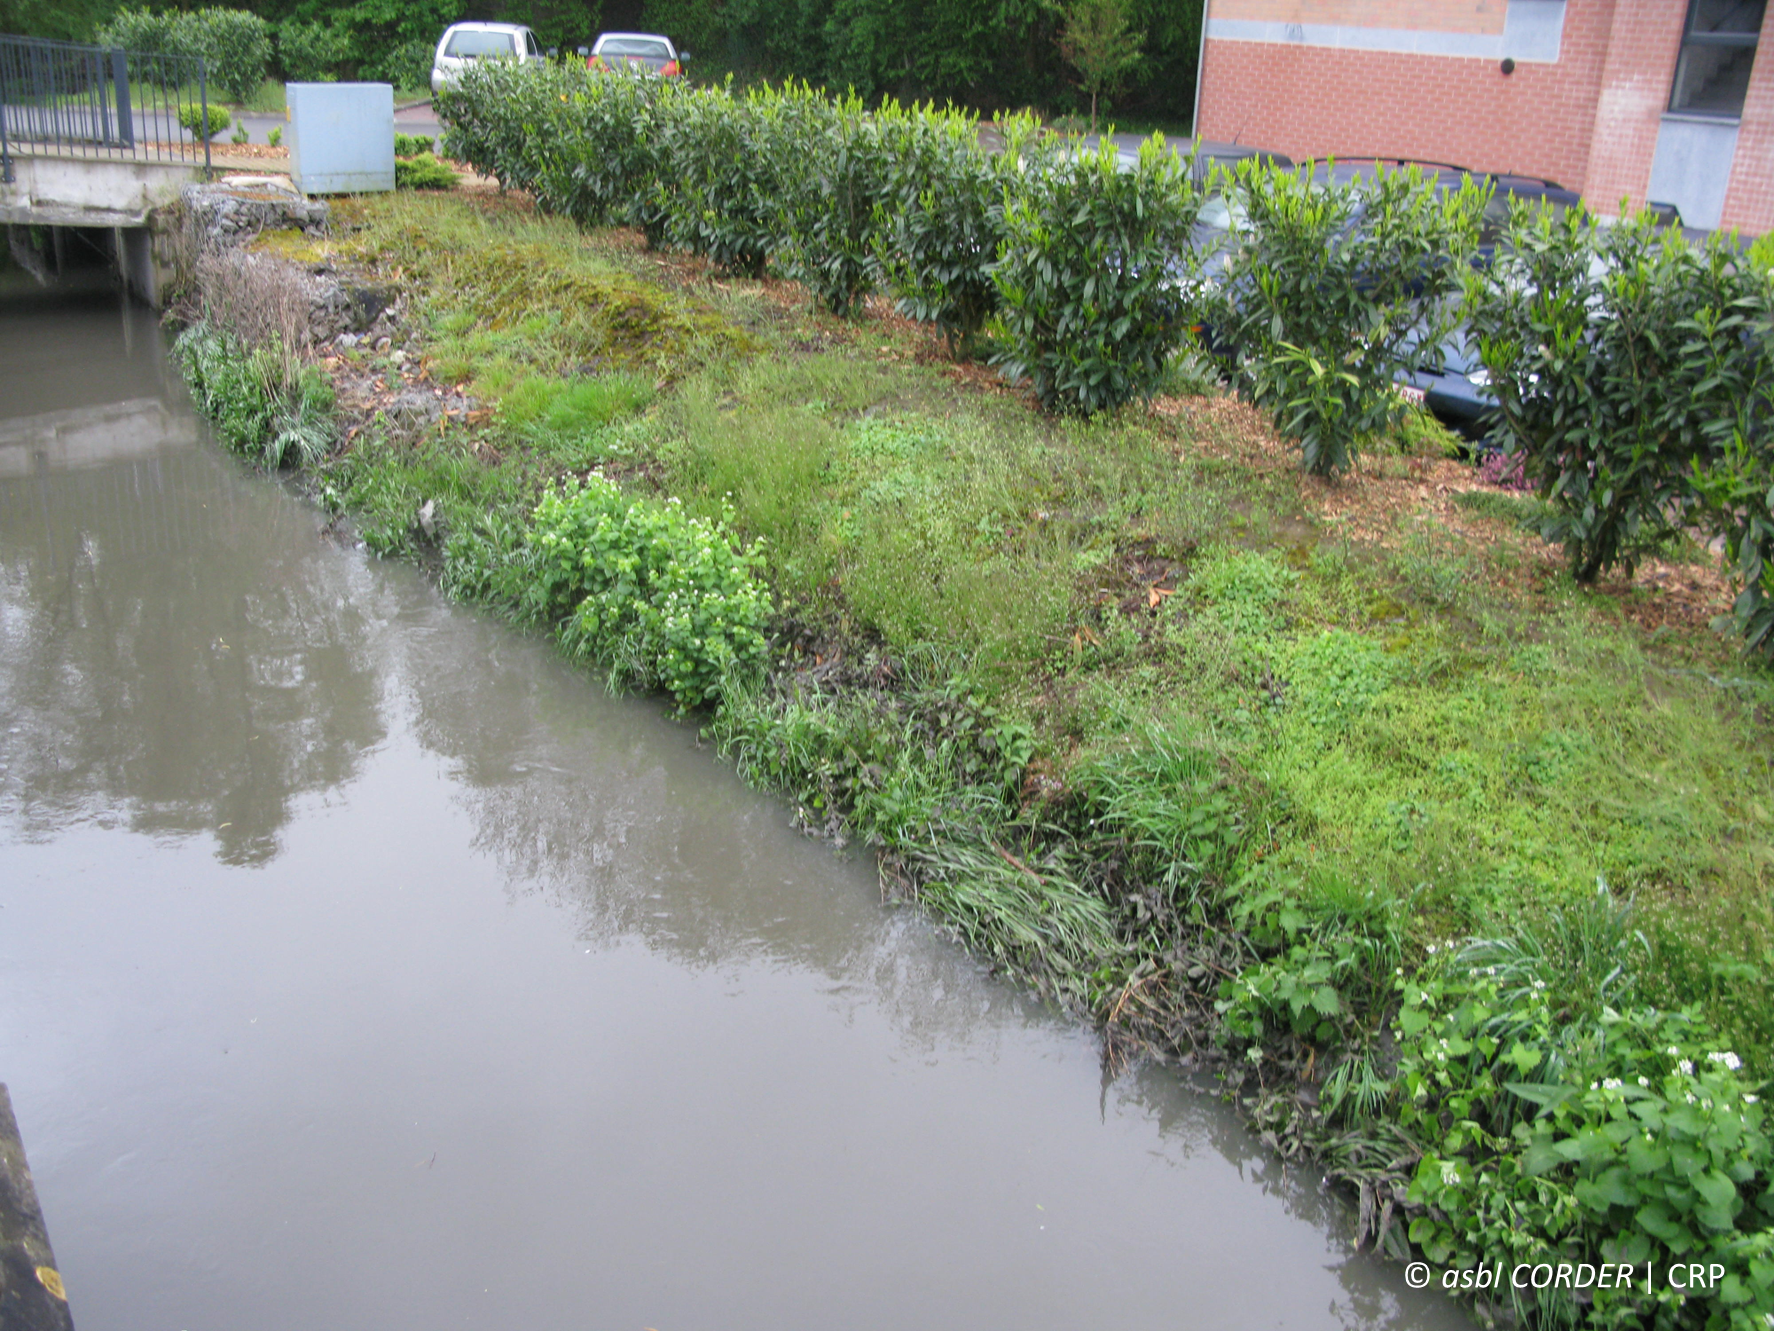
(637, 50)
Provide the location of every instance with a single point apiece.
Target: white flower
(1674, 1052)
(1594, 1086)
(1539, 984)
(1686, 1067)
(1612, 1083)
(1750, 1099)
(1729, 1059)
(1431, 949)
(1644, 1081)
(1450, 1173)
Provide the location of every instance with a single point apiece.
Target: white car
(465, 42)
(637, 50)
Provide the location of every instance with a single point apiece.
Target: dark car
(1221, 213)
(1459, 391)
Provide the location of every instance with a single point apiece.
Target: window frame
(1693, 39)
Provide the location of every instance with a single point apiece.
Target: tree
(1095, 41)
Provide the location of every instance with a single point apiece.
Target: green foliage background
(997, 55)
(994, 55)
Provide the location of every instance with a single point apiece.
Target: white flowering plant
(661, 598)
(1630, 1140)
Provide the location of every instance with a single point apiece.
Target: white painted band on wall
(1532, 33)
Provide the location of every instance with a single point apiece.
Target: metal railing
(91, 101)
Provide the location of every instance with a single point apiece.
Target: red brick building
(1640, 100)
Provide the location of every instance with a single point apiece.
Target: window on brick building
(1718, 48)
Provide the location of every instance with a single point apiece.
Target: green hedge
(311, 52)
(234, 44)
(1633, 370)
(1634, 374)
(1094, 275)
(204, 122)
(1329, 295)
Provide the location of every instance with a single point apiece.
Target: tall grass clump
(259, 406)
(246, 357)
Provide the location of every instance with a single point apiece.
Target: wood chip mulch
(1387, 502)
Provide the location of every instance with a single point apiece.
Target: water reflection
(179, 650)
(612, 816)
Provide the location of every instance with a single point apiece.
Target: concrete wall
(145, 259)
(86, 191)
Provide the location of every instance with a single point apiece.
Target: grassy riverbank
(1223, 755)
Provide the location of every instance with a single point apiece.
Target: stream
(362, 965)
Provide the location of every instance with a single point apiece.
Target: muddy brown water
(362, 966)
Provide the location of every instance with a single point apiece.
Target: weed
(422, 171)
(1524, 511)
(258, 406)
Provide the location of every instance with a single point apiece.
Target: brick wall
(1589, 121)
(1313, 101)
(1645, 39)
(1749, 204)
(1434, 15)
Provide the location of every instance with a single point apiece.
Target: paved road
(419, 119)
(31, 122)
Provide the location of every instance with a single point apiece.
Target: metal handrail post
(126, 117)
(203, 115)
(6, 176)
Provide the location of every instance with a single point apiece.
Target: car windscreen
(469, 43)
(629, 46)
(1221, 213)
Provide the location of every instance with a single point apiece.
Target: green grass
(1194, 662)
(269, 97)
(1523, 510)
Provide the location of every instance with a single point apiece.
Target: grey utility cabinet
(341, 137)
